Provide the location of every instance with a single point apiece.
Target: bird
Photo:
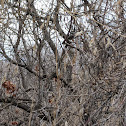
(71, 36)
(74, 35)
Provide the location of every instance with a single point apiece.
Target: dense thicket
(63, 63)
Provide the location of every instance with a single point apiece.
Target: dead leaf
(66, 123)
(109, 44)
(2, 3)
(48, 19)
(10, 87)
(42, 26)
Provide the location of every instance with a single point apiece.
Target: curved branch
(22, 106)
(34, 14)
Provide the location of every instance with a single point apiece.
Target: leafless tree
(63, 62)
